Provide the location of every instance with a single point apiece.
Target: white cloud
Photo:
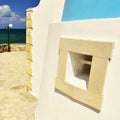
(7, 15)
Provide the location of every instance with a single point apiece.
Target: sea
(15, 36)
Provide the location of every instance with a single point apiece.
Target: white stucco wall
(54, 106)
(45, 13)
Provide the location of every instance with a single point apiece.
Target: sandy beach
(12, 69)
(15, 102)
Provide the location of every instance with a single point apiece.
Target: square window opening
(78, 69)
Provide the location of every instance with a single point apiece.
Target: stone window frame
(101, 53)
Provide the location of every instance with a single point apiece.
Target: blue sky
(91, 9)
(14, 11)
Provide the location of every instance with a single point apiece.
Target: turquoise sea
(15, 36)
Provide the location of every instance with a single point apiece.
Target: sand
(15, 102)
(12, 69)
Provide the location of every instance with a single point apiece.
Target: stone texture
(29, 14)
(29, 56)
(29, 39)
(18, 47)
(29, 48)
(3, 48)
(29, 24)
(13, 46)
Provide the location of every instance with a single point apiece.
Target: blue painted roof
(90, 9)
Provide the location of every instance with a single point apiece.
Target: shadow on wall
(76, 101)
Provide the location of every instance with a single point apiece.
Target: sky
(91, 9)
(14, 12)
